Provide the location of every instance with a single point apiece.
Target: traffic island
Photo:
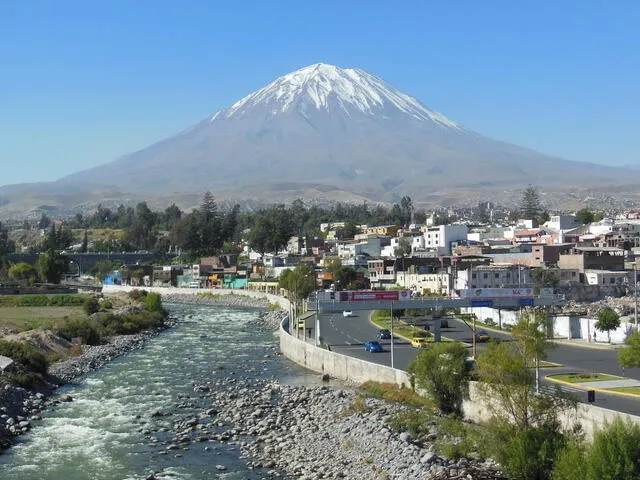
(599, 382)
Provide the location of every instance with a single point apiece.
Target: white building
(440, 238)
(493, 276)
(606, 277)
(424, 283)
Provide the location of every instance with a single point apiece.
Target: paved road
(347, 336)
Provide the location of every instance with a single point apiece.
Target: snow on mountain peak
(320, 84)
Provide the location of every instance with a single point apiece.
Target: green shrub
(81, 327)
(129, 323)
(571, 461)
(106, 305)
(23, 353)
(394, 393)
(66, 300)
(153, 302)
(136, 294)
(416, 422)
(91, 305)
(529, 454)
(25, 379)
(442, 371)
(615, 452)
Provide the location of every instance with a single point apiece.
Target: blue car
(384, 334)
(372, 346)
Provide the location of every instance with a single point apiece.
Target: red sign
(375, 296)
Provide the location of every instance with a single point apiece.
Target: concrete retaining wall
(343, 367)
(336, 365)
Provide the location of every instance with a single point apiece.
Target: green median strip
(583, 377)
(381, 319)
(631, 390)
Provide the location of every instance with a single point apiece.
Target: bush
(442, 370)
(529, 454)
(571, 462)
(23, 353)
(106, 305)
(615, 452)
(394, 393)
(81, 327)
(25, 379)
(137, 294)
(91, 305)
(153, 303)
(129, 323)
(50, 300)
(416, 422)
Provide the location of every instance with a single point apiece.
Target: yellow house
(389, 230)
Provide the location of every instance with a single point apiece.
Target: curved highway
(347, 335)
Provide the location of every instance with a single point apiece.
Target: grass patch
(359, 405)
(417, 422)
(633, 390)
(42, 300)
(584, 377)
(382, 319)
(394, 393)
(20, 319)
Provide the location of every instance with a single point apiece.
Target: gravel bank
(311, 432)
(19, 406)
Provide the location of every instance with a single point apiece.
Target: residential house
(381, 273)
(441, 237)
(493, 276)
(592, 258)
(386, 230)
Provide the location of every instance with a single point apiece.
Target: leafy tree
(608, 320)
(629, 355)
(442, 371)
(403, 249)
(6, 245)
(505, 370)
(348, 231)
(51, 266)
(543, 277)
(406, 207)
(584, 216)
(344, 278)
(261, 236)
(543, 217)
(23, 272)
(210, 226)
(299, 282)
(85, 243)
(141, 233)
(530, 207)
(44, 222)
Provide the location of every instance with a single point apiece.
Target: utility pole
(635, 296)
(392, 334)
(317, 318)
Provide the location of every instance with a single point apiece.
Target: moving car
(347, 313)
(372, 346)
(482, 336)
(419, 342)
(384, 334)
(301, 323)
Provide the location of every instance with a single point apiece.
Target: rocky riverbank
(20, 406)
(311, 432)
(227, 300)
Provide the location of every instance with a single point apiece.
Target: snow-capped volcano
(320, 85)
(330, 126)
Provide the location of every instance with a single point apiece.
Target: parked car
(444, 322)
(372, 346)
(347, 313)
(384, 334)
(419, 342)
(482, 336)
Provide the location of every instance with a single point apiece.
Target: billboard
(515, 292)
(375, 296)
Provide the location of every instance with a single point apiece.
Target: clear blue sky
(83, 82)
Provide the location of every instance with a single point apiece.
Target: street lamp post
(391, 334)
(635, 296)
(317, 318)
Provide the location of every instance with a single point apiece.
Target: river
(109, 430)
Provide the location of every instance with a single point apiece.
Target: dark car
(384, 334)
(372, 346)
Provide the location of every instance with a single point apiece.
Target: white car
(347, 313)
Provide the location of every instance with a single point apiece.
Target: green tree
(345, 278)
(85, 243)
(91, 305)
(299, 282)
(509, 380)
(102, 268)
(543, 277)
(442, 371)
(403, 249)
(530, 207)
(629, 355)
(23, 272)
(608, 320)
(51, 266)
(584, 216)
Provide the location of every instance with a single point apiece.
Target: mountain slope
(342, 127)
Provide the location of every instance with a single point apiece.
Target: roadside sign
(482, 303)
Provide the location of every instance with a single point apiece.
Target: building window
(485, 275)
(473, 275)
(497, 275)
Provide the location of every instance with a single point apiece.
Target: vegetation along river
(120, 419)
